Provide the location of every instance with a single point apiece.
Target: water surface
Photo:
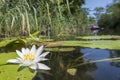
(104, 70)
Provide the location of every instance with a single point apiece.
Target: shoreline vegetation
(50, 18)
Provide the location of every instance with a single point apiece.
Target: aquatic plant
(31, 58)
(10, 72)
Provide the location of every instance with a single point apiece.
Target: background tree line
(57, 17)
(110, 20)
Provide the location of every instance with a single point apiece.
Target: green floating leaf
(102, 44)
(9, 72)
(99, 37)
(12, 44)
(5, 42)
(72, 71)
(37, 40)
(60, 49)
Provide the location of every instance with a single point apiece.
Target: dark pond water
(106, 70)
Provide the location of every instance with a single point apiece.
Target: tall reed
(25, 17)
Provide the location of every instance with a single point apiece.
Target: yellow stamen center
(29, 56)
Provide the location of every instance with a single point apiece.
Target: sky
(91, 4)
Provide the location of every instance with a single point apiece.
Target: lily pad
(72, 71)
(60, 49)
(3, 43)
(12, 44)
(102, 44)
(34, 39)
(9, 71)
(99, 37)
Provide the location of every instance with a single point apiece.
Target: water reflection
(114, 54)
(60, 62)
(105, 70)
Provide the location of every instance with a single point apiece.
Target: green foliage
(9, 71)
(111, 19)
(98, 10)
(23, 17)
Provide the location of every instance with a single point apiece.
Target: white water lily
(31, 58)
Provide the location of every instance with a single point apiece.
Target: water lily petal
(20, 59)
(43, 66)
(33, 66)
(39, 51)
(22, 64)
(23, 50)
(13, 61)
(43, 59)
(36, 60)
(19, 53)
(31, 63)
(33, 49)
(26, 63)
(44, 54)
(27, 50)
